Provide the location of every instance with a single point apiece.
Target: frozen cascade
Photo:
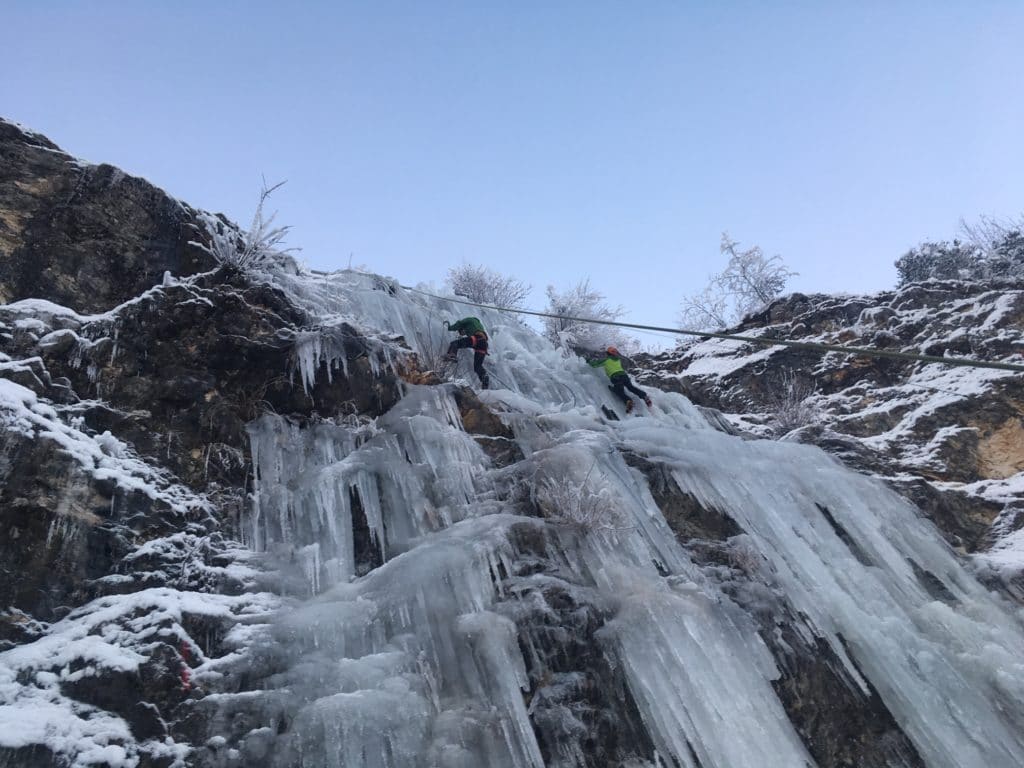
(416, 662)
(678, 639)
(407, 665)
(410, 475)
(948, 668)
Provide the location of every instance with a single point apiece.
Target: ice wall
(416, 663)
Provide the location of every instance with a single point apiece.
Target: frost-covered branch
(255, 249)
(791, 401)
(583, 301)
(483, 285)
(705, 310)
(582, 506)
(988, 231)
(748, 283)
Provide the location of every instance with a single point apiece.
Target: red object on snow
(186, 670)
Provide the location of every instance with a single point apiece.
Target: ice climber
(471, 334)
(620, 382)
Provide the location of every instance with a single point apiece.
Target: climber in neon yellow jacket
(620, 382)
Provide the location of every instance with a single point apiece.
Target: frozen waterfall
(422, 563)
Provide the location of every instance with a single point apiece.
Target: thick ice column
(855, 558)
(701, 682)
(409, 661)
(700, 676)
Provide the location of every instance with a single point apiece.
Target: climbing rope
(808, 345)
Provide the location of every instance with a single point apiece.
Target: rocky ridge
(950, 439)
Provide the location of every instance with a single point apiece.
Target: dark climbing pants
(479, 346)
(620, 383)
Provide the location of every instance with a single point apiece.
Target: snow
(82, 735)
(718, 358)
(104, 457)
(114, 633)
(41, 308)
(1007, 554)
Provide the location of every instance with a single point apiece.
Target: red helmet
(613, 351)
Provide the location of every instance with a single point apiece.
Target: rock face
(85, 236)
(243, 525)
(947, 438)
(124, 456)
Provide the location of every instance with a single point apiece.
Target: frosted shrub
(578, 506)
(582, 301)
(991, 249)
(255, 249)
(483, 285)
(744, 556)
(749, 282)
(939, 261)
(791, 402)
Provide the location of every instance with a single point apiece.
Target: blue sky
(550, 140)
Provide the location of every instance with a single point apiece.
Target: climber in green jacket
(620, 382)
(472, 335)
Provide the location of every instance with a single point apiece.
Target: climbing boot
(629, 406)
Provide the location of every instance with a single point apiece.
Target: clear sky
(551, 140)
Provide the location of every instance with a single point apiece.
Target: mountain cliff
(247, 524)
(950, 439)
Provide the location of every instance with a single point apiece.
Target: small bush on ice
(580, 507)
(431, 344)
(744, 556)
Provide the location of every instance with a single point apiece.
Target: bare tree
(988, 231)
(582, 301)
(706, 310)
(749, 281)
(485, 286)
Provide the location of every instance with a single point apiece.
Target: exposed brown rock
(489, 431)
(1001, 451)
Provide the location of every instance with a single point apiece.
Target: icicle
(310, 557)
